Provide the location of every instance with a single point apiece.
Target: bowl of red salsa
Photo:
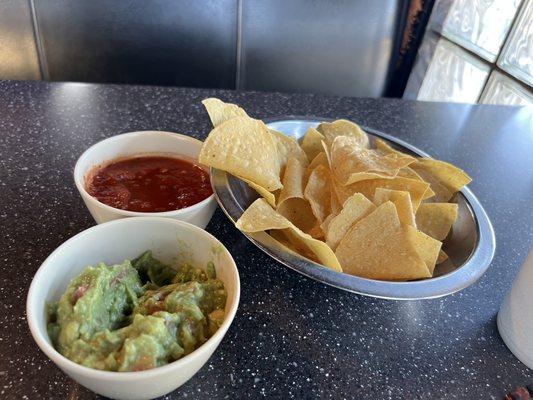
(149, 173)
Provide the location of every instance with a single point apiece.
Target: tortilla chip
(436, 219)
(243, 147)
(342, 127)
(320, 159)
(336, 205)
(402, 201)
(352, 163)
(260, 216)
(408, 172)
(312, 143)
(324, 225)
(298, 211)
(293, 180)
(220, 112)
(354, 209)
(316, 232)
(442, 257)
(427, 248)
(378, 247)
(385, 148)
(279, 235)
(445, 179)
(317, 192)
(268, 196)
(291, 203)
(285, 237)
(287, 148)
(415, 188)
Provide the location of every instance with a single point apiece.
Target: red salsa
(150, 184)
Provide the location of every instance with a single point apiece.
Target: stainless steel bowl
(470, 245)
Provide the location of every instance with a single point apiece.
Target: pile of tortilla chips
(371, 212)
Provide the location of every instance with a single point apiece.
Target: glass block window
(502, 90)
(517, 56)
(476, 51)
(465, 74)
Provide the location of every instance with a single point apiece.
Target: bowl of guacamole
(133, 308)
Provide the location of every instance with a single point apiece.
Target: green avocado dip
(137, 315)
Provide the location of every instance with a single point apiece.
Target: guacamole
(137, 315)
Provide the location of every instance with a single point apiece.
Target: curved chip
(268, 196)
(287, 148)
(317, 192)
(220, 112)
(343, 127)
(416, 188)
(355, 208)
(293, 180)
(401, 199)
(292, 204)
(243, 147)
(260, 216)
(445, 179)
(385, 148)
(352, 163)
(312, 143)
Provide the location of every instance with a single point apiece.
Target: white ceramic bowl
(112, 242)
(134, 143)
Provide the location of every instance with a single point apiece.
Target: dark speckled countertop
(292, 337)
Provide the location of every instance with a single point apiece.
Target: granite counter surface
(292, 337)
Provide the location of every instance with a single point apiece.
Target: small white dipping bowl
(134, 144)
(171, 241)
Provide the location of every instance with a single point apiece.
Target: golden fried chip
(293, 180)
(427, 248)
(324, 225)
(287, 239)
(317, 192)
(316, 232)
(260, 216)
(441, 193)
(320, 159)
(351, 163)
(415, 188)
(312, 143)
(336, 205)
(220, 112)
(298, 211)
(378, 247)
(442, 257)
(287, 148)
(268, 196)
(436, 219)
(408, 172)
(354, 209)
(401, 199)
(445, 179)
(326, 149)
(291, 203)
(342, 127)
(243, 147)
(385, 148)
(279, 235)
